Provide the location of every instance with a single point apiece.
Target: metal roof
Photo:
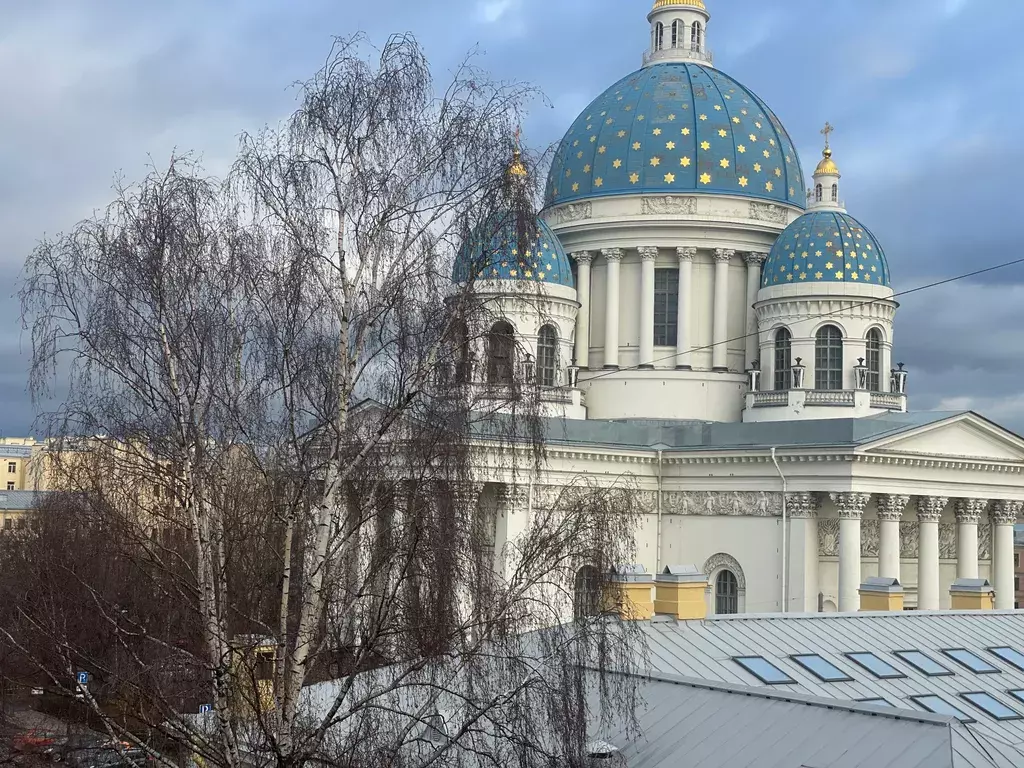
(690, 722)
(19, 500)
(705, 650)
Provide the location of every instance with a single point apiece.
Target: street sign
(204, 708)
(83, 678)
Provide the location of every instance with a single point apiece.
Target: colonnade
(969, 513)
(648, 259)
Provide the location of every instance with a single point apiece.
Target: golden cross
(519, 130)
(829, 128)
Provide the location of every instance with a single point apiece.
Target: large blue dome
(677, 127)
(826, 247)
(493, 254)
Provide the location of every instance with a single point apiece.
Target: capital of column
(724, 254)
(929, 508)
(583, 257)
(850, 505)
(612, 254)
(1005, 512)
(890, 506)
(755, 259)
(686, 253)
(969, 510)
(801, 504)
(648, 252)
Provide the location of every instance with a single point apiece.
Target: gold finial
(827, 165)
(828, 129)
(517, 167)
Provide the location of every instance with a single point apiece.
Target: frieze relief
(768, 212)
(984, 542)
(724, 503)
(671, 204)
(869, 538)
(908, 538)
(947, 541)
(574, 212)
(828, 537)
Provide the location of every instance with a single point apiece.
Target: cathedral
(720, 331)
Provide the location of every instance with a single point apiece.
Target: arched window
(547, 356)
(835, 193)
(500, 354)
(874, 360)
(817, 193)
(727, 593)
(783, 359)
(696, 37)
(677, 32)
(586, 597)
(828, 358)
(659, 36)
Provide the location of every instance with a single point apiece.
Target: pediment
(964, 436)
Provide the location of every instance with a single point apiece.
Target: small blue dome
(494, 255)
(826, 247)
(677, 127)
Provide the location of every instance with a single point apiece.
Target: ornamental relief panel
(724, 503)
(828, 537)
(908, 538)
(573, 212)
(768, 212)
(947, 541)
(869, 538)
(668, 204)
(984, 542)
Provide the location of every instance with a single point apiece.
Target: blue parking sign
(204, 708)
(83, 678)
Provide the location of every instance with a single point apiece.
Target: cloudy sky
(925, 94)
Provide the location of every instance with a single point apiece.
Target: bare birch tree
(260, 428)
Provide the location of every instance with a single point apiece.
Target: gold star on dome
(703, 117)
(741, 149)
(769, 186)
(655, 161)
(616, 163)
(540, 275)
(778, 173)
(576, 186)
(772, 142)
(817, 275)
(670, 145)
(789, 278)
(528, 273)
(736, 120)
(579, 155)
(839, 254)
(636, 145)
(743, 111)
(657, 131)
(867, 277)
(640, 118)
(602, 149)
(828, 265)
(839, 275)
(753, 137)
(803, 275)
(621, 134)
(634, 178)
(766, 153)
(718, 107)
(568, 172)
(598, 182)
(513, 273)
(724, 163)
(576, 143)
(593, 139)
(874, 269)
(757, 167)
(705, 145)
(686, 131)
(669, 178)
(743, 181)
(705, 178)
(722, 133)
(853, 276)
(671, 117)
(828, 244)
(684, 161)
(758, 125)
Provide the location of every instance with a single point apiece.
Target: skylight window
(821, 668)
(922, 663)
(989, 704)
(875, 665)
(1010, 656)
(1017, 694)
(940, 706)
(879, 701)
(970, 660)
(764, 670)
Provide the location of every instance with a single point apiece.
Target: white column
(968, 514)
(686, 257)
(612, 257)
(851, 510)
(929, 510)
(583, 260)
(720, 325)
(890, 510)
(648, 255)
(802, 509)
(1004, 514)
(754, 262)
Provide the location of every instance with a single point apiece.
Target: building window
(835, 193)
(1016, 583)
(874, 350)
(828, 358)
(727, 594)
(500, 354)
(547, 356)
(10, 485)
(1016, 559)
(817, 193)
(8, 523)
(677, 27)
(666, 308)
(587, 592)
(659, 36)
(12, 466)
(783, 359)
(696, 37)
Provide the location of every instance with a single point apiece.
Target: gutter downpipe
(785, 538)
(657, 554)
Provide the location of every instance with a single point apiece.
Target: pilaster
(686, 255)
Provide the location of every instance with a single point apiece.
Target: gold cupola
(825, 192)
(685, 3)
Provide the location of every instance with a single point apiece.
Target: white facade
(800, 490)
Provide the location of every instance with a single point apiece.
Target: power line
(918, 289)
